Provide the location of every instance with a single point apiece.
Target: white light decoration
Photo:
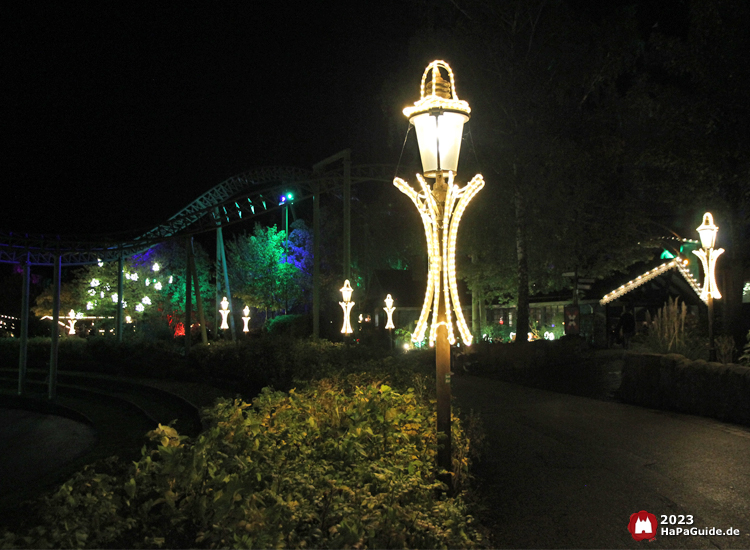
(246, 319)
(100, 263)
(148, 281)
(72, 322)
(114, 298)
(89, 305)
(95, 282)
(128, 319)
(346, 305)
(101, 295)
(171, 278)
(389, 309)
(549, 335)
(708, 255)
(438, 117)
(678, 263)
(92, 292)
(146, 300)
(155, 267)
(134, 276)
(139, 307)
(157, 285)
(224, 313)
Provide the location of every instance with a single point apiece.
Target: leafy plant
(673, 331)
(339, 464)
(745, 357)
(724, 348)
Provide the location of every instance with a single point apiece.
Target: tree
(689, 106)
(153, 284)
(267, 275)
(544, 91)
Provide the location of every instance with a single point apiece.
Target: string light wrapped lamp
(708, 255)
(347, 305)
(438, 117)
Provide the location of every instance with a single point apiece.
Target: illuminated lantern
(707, 230)
(389, 309)
(346, 305)
(438, 117)
(224, 313)
(246, 319)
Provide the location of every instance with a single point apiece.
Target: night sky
(116, 116)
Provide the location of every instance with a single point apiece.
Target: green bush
(337, 465)
(745, 357)
(277, 361)
(295, 326)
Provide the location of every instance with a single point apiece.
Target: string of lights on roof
(678, 263)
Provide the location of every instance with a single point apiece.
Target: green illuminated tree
(267, 274)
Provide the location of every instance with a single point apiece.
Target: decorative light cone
(441, 205)
(389, 309)
(347, 305)
(224, 313)
(246, 319)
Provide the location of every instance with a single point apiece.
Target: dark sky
(115, 116)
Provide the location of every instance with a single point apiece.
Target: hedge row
(673, 382)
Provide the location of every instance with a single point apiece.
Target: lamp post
(708, 255)
(389, 309)
(246, 319)
(438, 117)
(346, 305)
(72, 322)
(224, 313)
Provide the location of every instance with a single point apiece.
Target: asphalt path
(34, 445)
(560, 471)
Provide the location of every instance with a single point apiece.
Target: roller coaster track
(236, 199)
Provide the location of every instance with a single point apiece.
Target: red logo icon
(642, 526)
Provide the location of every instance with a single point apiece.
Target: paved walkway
(561, 471)
(34, 446)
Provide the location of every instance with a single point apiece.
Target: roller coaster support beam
(347, 216)
(316, 262)
(119, 314)
(188, 298)
(52, 382)
(23, 355)
(221, 253)
(197, 286)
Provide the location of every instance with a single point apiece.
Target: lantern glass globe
(439, 136)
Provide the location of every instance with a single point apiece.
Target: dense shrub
(277, 361)
(673, 382)
(336, 465)
(295, 326)
(564, 365)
